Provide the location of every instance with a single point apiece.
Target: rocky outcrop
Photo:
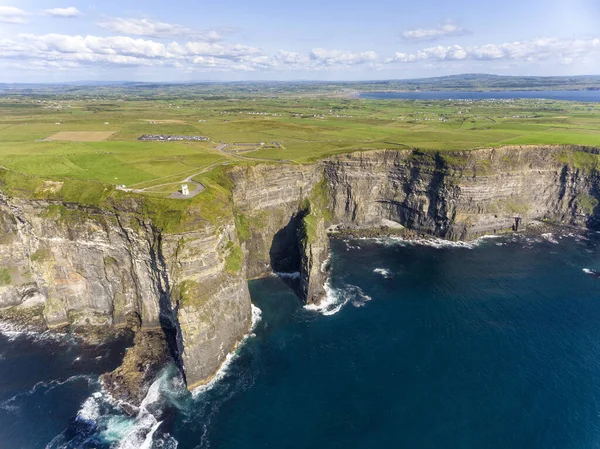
(209, 291)
(95, 267)
(130, 382)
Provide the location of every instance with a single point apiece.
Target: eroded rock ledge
(89, 267)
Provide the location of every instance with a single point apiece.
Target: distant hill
(213, 90)
(473, 81)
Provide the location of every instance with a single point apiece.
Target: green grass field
(306, 128)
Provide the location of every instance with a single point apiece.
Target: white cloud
(533, 50)
(69, 12)
(10, 14)
(422, 34)
(128, 51)
(334, 57)
(68, 51)
(150, 28)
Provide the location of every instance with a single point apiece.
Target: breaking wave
(14, 331)
(231, 357)
(384, 272)
(43, 386)
(101, 420)
(550, 238)
(294, 275)
(432, 242)
(335, 299)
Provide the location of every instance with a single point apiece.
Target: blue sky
(289, 40)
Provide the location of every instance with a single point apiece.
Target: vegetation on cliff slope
(316, 211)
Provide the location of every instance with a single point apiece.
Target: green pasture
(307, 128)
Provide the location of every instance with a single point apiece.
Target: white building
(185, 190)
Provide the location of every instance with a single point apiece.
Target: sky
(234, 40)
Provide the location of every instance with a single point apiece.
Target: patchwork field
(253, 129)
(81, 136)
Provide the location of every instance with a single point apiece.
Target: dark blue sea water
(566, 95)
(495, 344)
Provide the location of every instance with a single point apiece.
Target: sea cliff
(175, 272)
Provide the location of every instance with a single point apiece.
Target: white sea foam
(294, 275)
(13, 331)
(336, 299)
(231, 357)
(220, 374)
(45, 387)
(124, 432)
(256, 317)
(90, 410)
(431, 242)
(550, 238)
(384, 272)
(330, 305)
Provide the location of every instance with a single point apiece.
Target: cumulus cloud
(532, 50)
(429, 34)
(68, 51)
(135, 51)
(10, 14)
(69, 12)
(150, 28)
(128, 51)
(333, 57)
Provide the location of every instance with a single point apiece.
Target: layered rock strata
(89, 267)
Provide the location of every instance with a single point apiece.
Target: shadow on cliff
(169, 322)
(284, 255)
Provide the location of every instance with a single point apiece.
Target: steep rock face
(88, 267)
(269, 207)
(82, 265)
(461, 195)
(210, 294)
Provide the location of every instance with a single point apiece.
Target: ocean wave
(384, 272)
(231, 357)
(335, 299)
(550, 238)
(433, 242)
(219, 375)
(256, 318)
(107, 422)
(294, 275)
(13, 331)
(45, 387)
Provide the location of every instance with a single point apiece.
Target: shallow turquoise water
(493, 345)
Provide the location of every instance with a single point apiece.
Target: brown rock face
(64, 264)
(130, 382)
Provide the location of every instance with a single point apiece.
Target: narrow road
(199, 187)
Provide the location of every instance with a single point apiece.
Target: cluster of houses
(171, 138)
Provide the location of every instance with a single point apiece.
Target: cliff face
(97, 268)
(68, 265)
(461, 195)
(80, 266)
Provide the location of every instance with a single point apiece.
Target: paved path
(199, 187)
(180, 196)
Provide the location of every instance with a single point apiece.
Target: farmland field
(81, 136)
(96, 139)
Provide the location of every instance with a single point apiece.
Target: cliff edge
(87, 257)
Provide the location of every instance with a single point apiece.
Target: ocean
(489, 344)
(562, 95)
